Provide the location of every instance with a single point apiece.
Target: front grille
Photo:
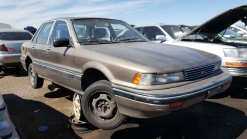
(199, 72)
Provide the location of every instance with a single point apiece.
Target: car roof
(13, 30)
(77, 18)
(160, 25)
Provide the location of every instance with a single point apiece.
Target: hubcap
(77, 105)
(104, 106)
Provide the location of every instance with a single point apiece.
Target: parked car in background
(7, 128)
(10, 48)
(5, 26)
(205, 37)
(30, 29)
(116, 72)
(229, 36)
(241, 30)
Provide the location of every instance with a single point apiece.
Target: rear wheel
(35, 81)
(99, 106)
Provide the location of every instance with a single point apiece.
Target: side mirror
(240, 33)
(162, 38)
(61, 42)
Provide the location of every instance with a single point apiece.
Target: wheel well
(28, 61)
(90, 76)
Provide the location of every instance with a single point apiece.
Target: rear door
(60, 65)
(38, 48)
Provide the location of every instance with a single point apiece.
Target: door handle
(48, 49)
(33, 46)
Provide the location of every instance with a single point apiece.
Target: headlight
(151, 79)
(235, 52)
(217, 66)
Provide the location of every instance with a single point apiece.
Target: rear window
(15, 36)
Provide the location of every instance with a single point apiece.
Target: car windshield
(229, 34)
(15, 36)
(174, 31)
(98, 31)
(244, 28)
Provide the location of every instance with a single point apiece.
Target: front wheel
(35, 81)
(99, 106)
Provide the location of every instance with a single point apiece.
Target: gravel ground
(222, 117)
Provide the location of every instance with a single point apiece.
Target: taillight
(3, 47)
(10, 49)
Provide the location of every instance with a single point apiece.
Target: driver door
(60, 67)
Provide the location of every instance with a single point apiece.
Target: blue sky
(21, 13)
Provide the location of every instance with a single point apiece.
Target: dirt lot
(223, 117)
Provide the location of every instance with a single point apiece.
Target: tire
(35, 81)
(97, 97)
(81, 129)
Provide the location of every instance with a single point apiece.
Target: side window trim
(37, 35)
(52, 29)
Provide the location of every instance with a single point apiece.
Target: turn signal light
(236, 64)
(176, 105)
(136, 78)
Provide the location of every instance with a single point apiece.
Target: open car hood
(221, 21)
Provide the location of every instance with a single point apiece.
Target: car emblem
(203, 72)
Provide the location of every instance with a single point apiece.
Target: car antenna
(197, 33)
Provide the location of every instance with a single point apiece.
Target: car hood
(163, 58)
(221, 21)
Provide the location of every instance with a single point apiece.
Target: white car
(6, 26)
(241, 30)
(205, 38)
(7, 128)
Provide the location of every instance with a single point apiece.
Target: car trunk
(13, 46)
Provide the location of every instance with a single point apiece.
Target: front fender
(99, 66)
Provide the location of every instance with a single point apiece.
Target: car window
(229, 34)
(174, 31)
(234, 29)
(139, 29)
(151, 32)
(60, 31)
(44, 33)
(99, 31)
(243, 27)
(15, 36)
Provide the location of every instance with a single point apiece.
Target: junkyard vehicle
(7, 128)
(205, 37)
(6, 26)
(241, 30)
(229, 36)
(10, 48)
(117, 72)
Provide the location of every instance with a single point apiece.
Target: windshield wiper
(92, 42)
(131, 39)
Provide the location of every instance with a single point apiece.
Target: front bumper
(153, 103)
(23, 62)
(7, 128)
(9, 59)
(238, 71)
